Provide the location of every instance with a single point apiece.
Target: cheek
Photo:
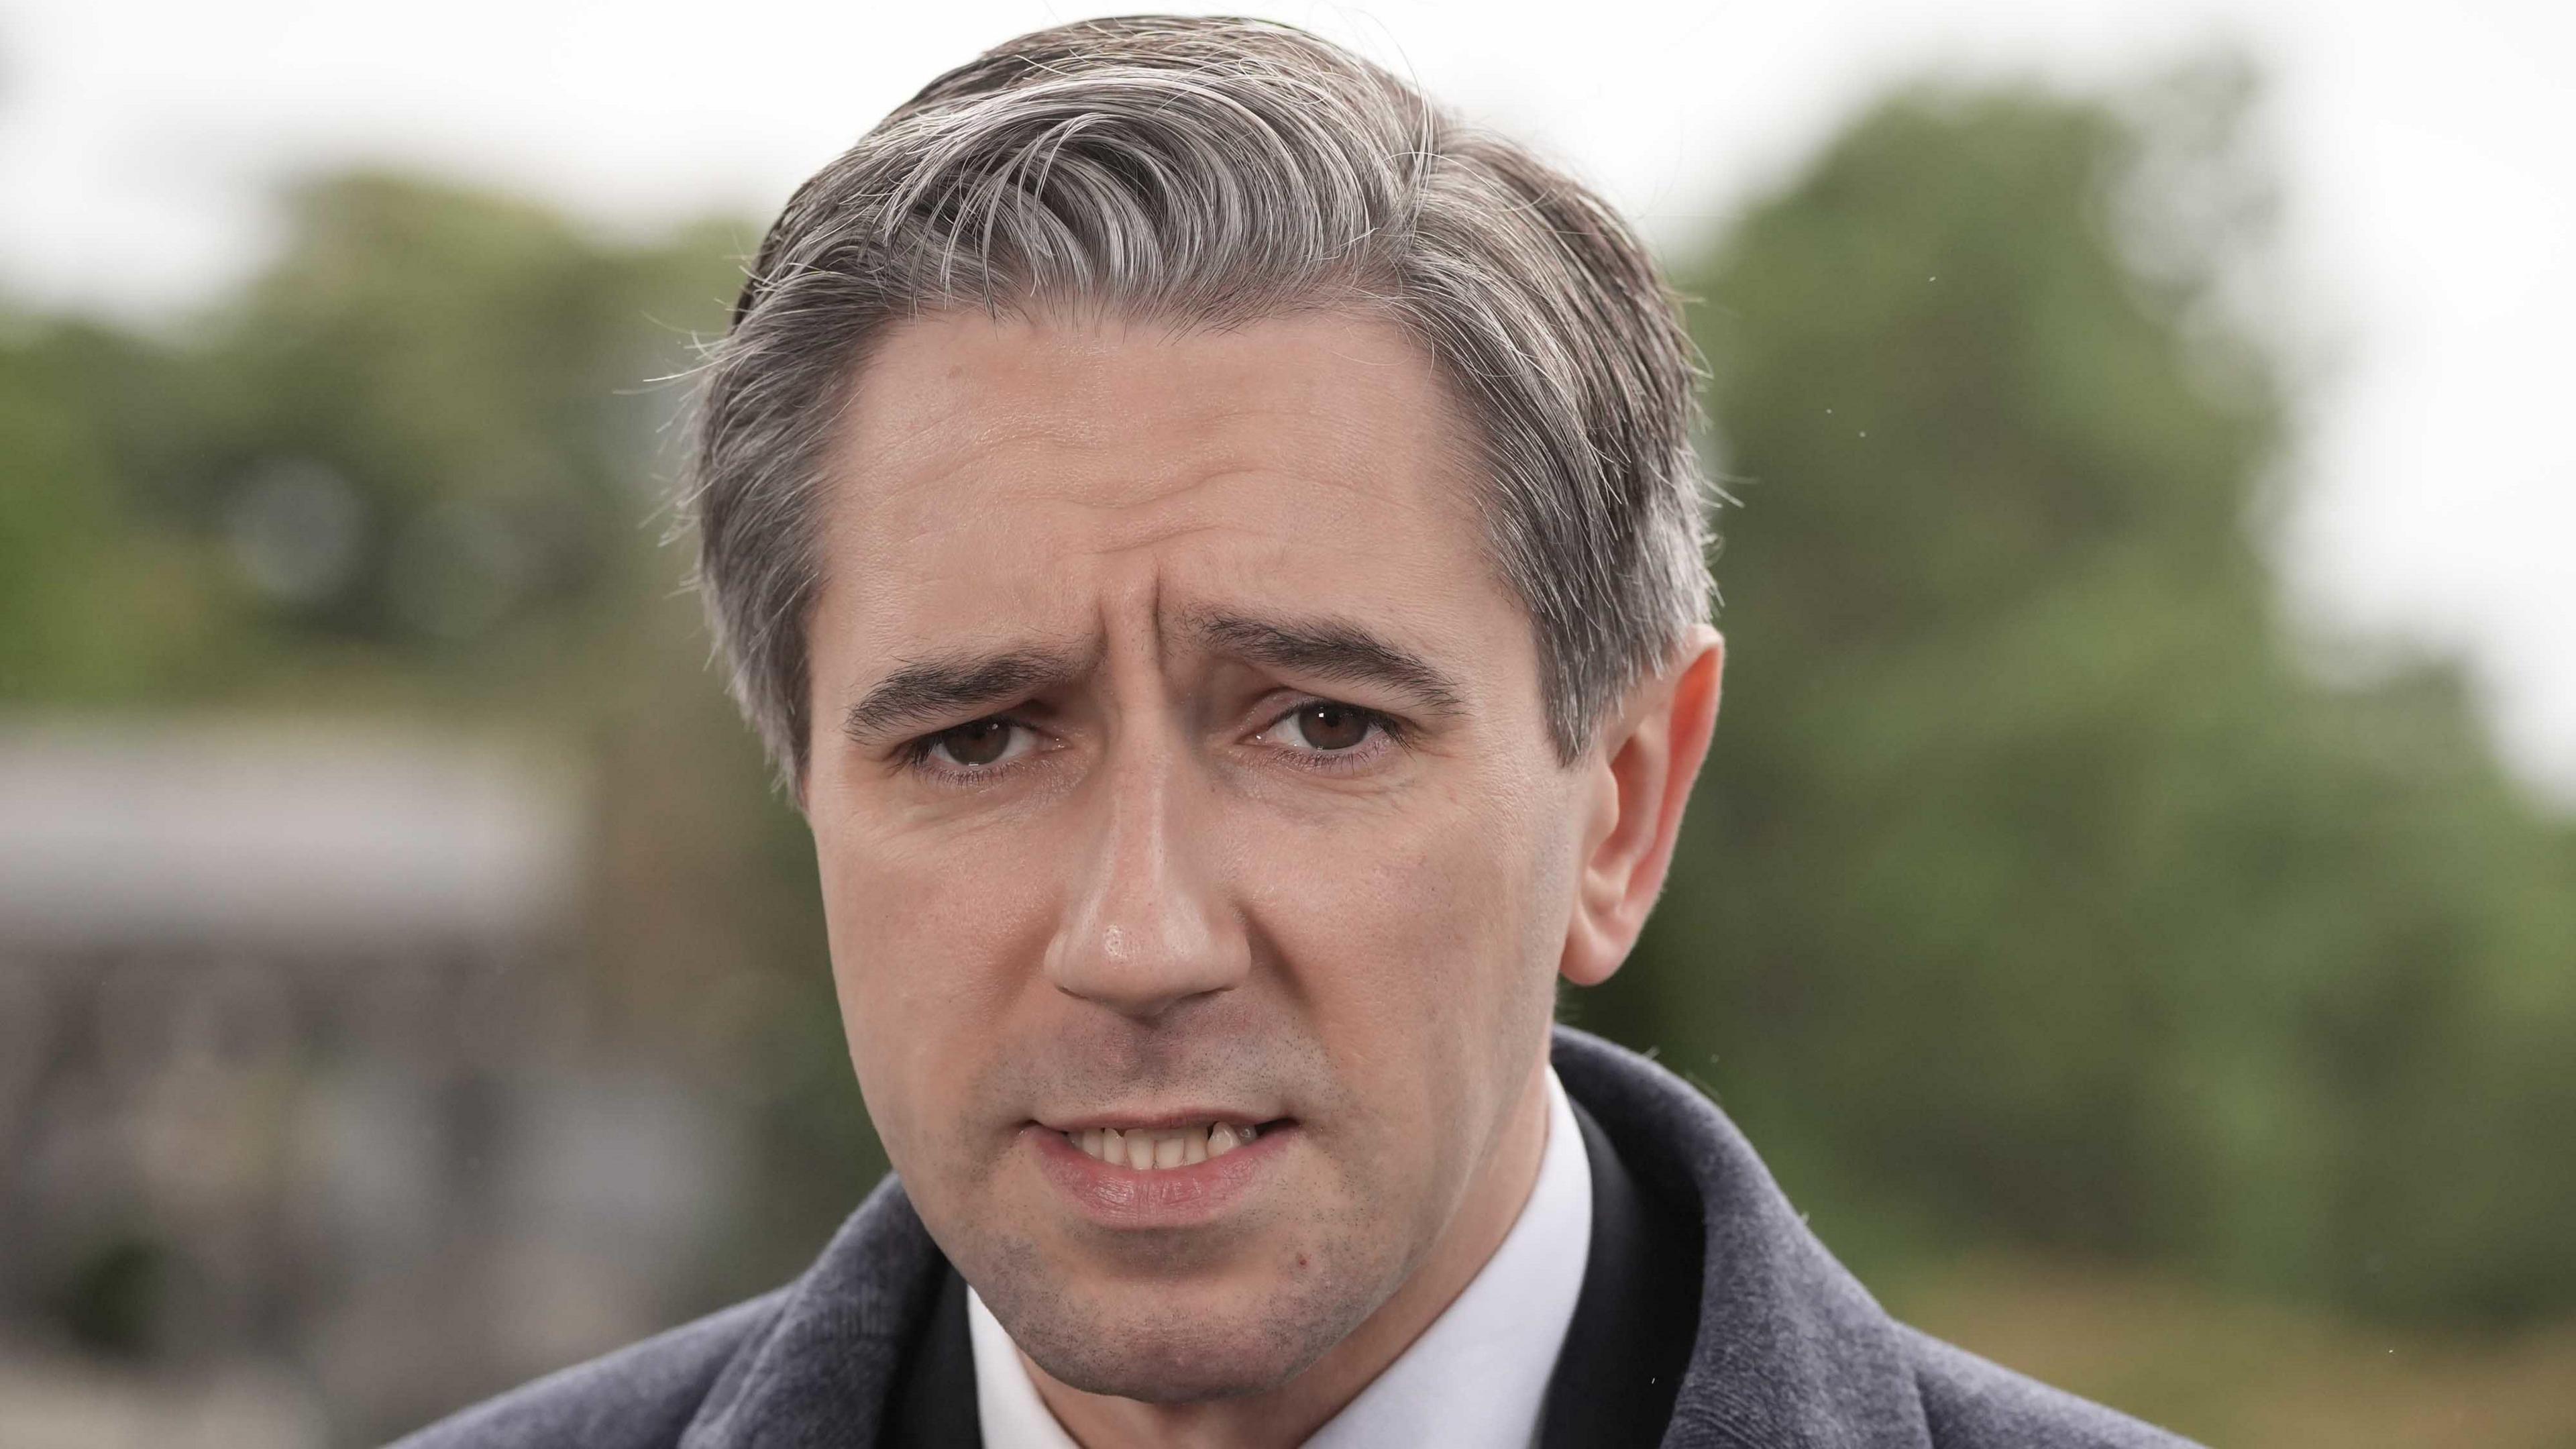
(926, 944)
(1418, 940)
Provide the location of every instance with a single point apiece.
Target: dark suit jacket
(1709, 1315)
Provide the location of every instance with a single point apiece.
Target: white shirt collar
(1475, 1379)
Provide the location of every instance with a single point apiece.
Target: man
(1215, 549)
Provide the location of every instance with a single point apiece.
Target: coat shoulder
(642, 1396)
(1971, 1403)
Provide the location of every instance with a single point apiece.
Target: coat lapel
(934, 1391)
(1790, 1351)
(1635, 1319)
(824, 1371)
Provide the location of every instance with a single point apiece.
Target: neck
(1290, 1413)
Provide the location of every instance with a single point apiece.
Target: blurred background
(2132, 901)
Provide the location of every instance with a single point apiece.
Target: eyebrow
(945, 686)
(1328, 648)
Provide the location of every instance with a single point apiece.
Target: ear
(1641, 771)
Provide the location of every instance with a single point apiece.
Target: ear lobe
(1648, 759)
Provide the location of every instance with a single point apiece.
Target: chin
(1170, 1361)
(1168, 1347)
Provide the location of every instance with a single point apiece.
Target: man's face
(1178, 760)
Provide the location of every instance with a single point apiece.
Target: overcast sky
(2430, 230)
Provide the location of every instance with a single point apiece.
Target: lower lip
(1131, 1198)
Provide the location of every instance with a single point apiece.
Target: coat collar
(1789, 1349)
(824, 1369)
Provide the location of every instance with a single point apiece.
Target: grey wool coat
(1762, 1342)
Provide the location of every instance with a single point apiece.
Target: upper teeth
(1161, 1146)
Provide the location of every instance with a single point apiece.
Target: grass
(2232, 1371)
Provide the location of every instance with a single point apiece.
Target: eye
(1327, 727)
(974, 746)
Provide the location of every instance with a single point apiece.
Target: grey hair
(1210, 171)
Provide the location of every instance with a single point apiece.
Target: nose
(1146, 926)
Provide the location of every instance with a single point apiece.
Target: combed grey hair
(1212, 171)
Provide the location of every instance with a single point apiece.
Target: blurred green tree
(2037, 892)
(419, 469)
(95, 602)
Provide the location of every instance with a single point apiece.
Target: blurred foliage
(420, 468)
(2036, 894)
(112, 1296)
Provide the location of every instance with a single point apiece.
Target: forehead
(999, 479)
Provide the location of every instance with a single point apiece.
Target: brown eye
(1331, 727)
(979, 743)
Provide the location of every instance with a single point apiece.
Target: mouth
(1160, 1149)
(1172, 1172)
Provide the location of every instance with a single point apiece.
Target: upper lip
(1156, 1119)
